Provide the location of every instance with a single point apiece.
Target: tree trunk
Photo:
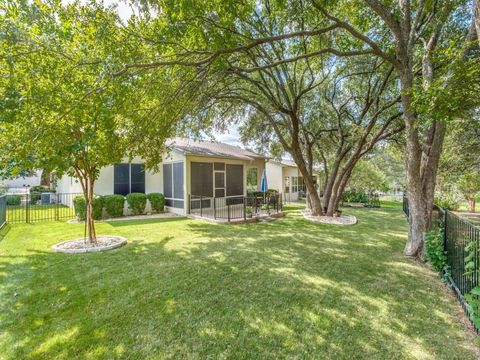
(45, 178)
(414, 246)
(92, 236)
(476, 18)
(87, 181)
(472, 204)
(436, 136)
(315, 203)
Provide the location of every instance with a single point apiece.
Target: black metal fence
(235, 207)
(461, 241)
(3, 210)
(37, 207)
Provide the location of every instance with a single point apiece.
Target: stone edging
(343, 220)
(121, 241)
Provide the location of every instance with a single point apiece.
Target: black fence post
(244, 209)
(228, 211)
(201, 206)
(56, 208)
(445, 238)
(27, 208)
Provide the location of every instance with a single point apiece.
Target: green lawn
(191, 289)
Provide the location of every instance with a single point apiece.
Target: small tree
(68, 113)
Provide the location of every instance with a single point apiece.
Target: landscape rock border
(77, 246)
(344, 219)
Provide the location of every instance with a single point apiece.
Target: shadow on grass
(289, 288)
(131, 222)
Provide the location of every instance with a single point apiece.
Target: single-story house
(192, 173)
(285, 177)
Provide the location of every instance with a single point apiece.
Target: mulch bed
(82, 245)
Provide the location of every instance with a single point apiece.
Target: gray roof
(213, 149)
(291, 163)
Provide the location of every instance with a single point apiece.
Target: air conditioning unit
(46, 198)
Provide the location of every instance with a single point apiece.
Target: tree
(406, 34)
(367, 177)
(413, 35)
(68, 114)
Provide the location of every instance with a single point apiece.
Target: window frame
(172, 199)
(129, 177)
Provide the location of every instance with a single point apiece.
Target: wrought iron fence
(37, 207)
(461, 241)
(234, 207)
(3, 210)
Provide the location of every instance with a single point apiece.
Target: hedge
(137, 202)
(114, 204)
(14, 200)
(157, 201)
(81, 209)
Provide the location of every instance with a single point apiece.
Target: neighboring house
(192, 170)
(22, 183)
(285, 177)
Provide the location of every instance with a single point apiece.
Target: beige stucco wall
(154, 181)
(274, 176)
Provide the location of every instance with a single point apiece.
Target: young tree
(69, 115)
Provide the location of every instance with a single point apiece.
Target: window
(173, 181)
(128, 178)
(294, 184)
(287, 184)
(201, 176)
(252, 179)
(234, 180)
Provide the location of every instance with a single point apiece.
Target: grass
(191, 289)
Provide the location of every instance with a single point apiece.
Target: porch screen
(173, 182)
(234, 180)
(202, 179)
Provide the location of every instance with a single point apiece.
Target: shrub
(14, 200)
(355, 197)
(434, 252)
(34, 198)
(114, 204)
(81, 209)
(40, 189)
(157, 201)
(448, 201)
(137, 202)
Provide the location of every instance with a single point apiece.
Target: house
(191, 176)
(21, 184)
(285, 177)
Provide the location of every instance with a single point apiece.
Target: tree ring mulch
(82, 245)
(343, 219)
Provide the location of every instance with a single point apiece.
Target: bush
(35, 198)
(81, 209)
(157, 201)
(448, 201)
(14, 200)
(137, 202)
(434, 252)
(355, 197)
(114, 204)
(40, 189)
